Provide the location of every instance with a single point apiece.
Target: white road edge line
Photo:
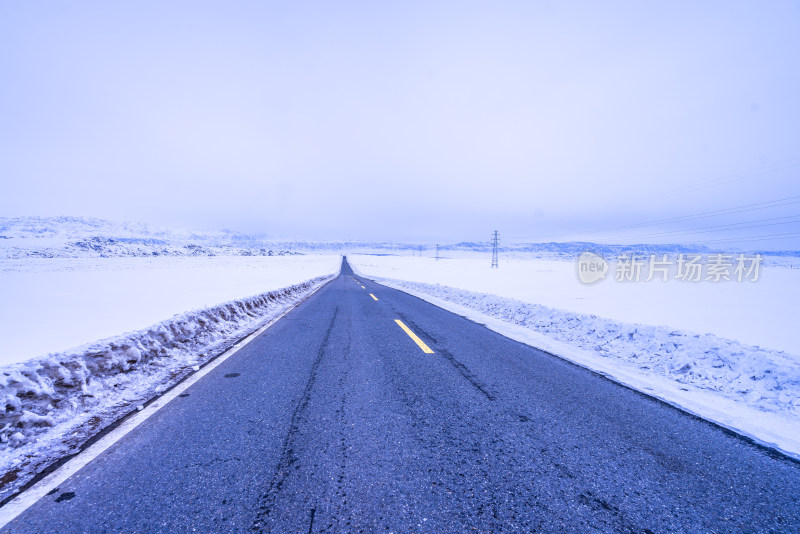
(31, 496)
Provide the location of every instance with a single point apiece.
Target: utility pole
(437, 251)
(495, 241)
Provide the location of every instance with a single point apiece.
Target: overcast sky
(431, 121)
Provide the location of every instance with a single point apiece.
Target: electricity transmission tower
(495, 241)
(437, 251)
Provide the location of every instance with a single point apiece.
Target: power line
(715, 213)
(733, 177)
(786, 201)
(750, 173)
(721, 228)
(753, 238)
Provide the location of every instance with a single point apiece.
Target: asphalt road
(334, 419)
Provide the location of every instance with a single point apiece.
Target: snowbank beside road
(746, 388)
(52, 404)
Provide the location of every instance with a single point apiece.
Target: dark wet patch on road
(67, 495)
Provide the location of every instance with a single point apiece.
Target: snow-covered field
(756, 313)
(727, 351)
(55, 304)
(110, 333)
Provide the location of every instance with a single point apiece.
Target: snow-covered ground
(109, 334)
(55, 304)
(755, 313)
(727, 351)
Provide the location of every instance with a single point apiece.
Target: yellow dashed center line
(414, 336)
(373, 296)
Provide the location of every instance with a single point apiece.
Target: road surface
(337, 419)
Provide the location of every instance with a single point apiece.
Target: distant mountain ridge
(87, 227)
(87, 236)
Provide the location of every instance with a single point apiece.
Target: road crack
(288, 457)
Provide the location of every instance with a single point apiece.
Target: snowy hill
(90, 237)
(70, 229)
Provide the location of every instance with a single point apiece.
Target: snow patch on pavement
(53, 404)
(746, 388)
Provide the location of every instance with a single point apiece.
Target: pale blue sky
(431, 121)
